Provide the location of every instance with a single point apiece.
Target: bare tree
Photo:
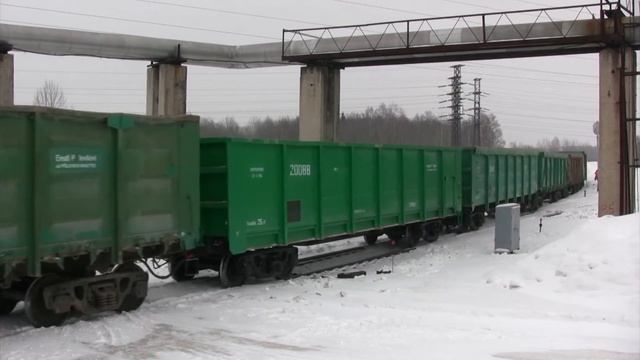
(50, 95)
(385, 124)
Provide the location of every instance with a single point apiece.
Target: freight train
(86, 197)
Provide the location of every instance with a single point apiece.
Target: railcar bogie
(275, 262)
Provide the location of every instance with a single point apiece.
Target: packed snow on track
(571, 292)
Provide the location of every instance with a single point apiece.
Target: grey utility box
(507, 228)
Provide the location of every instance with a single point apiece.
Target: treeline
(386, 124)
(556, 144)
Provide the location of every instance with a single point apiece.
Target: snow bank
(597, 264)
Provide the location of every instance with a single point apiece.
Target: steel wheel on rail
(370, 238)
(35, 306)
(412, 236)
(431, 232)
(232, 272)
(131, 301)
(477, 218)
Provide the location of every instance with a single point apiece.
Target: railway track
(324, 262)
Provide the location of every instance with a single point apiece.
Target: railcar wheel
(232, 272)
(7, 306)
(535, 204)
(431, 232)
(412, 236)
(178, 270)
(467, 223)
(34, 303)
(370, 239)
(477, 219)
(132, 301)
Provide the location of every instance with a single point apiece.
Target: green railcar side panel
(502, 178)
(493, 176)
(301, 189)
(511, 177)
(517, 181)
(479, 180)
(553, 171)
(85, 183)
(526, 173)
(452, 182)
(75, 190)
(533, 169)
(492, 179)
(365, 187)
(390, 186)
(256, 194)
(214, 201)
(433, 198)
(188, 183)
(335, 189)
(412, 186)
(259, 194)
(16, 198)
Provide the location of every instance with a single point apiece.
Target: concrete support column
(6, 79)
(319, 103)
(616, 194)
(166, 89)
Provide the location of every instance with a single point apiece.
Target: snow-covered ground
(572, 292)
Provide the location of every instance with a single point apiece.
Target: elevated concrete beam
(6, 79)
(63, 42)
(166, 89)
(616, 194)
(319, 103)
(121, 46)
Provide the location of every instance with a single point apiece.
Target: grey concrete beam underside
(61, 42)
(119, 46)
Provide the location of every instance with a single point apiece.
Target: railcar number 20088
(299, 170)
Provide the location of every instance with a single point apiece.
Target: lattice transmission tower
(477, 112)
(457, 111)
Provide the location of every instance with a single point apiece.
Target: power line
(239, 13)
(514, 77)
(534, 70)
(542, 132)
(137, 21)
(382, 7)
(546, 117)
(265, 73)
(9, 21)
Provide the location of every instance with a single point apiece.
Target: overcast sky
(533, 98)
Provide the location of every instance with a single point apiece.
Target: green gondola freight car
(553, 175)
(495, 176)
(82, 192)
(261, 197)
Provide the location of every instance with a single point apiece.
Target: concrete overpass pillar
(319, 103)
(6, 79)
(166, 89)
(616, 183)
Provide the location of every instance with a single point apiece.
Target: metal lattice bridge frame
(536, 32)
